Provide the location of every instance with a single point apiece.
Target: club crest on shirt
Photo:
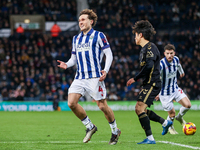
(104, 40)
(149, 47)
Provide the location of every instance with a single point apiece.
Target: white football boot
(172, 130)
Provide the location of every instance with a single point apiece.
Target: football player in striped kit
(170, 91)
(88, 48)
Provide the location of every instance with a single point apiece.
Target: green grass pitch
(63, 131)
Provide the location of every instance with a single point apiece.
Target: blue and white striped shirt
(88, 50)
(168, 73)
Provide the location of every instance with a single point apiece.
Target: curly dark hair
(91, 15)
(144, 27)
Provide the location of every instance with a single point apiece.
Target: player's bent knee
(138, 111)
(188, 106)
(102, 108)
(71, 105)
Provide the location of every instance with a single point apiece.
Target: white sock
(88, 124)
(150, 137)
(182, 112)
(165, 123)
(170, 118)
(113, 127)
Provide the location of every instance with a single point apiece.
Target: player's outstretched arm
(62, 64)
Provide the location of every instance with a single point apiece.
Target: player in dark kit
(150, 73)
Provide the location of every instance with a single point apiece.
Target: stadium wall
(88, 106)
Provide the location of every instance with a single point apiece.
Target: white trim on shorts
(95, 88)
(167, 100)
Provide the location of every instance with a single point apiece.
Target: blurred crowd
(164, 14)
(28, 67)
(53, 10)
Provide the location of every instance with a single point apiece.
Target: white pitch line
(182, 145)
(165, 142)
(50, 142)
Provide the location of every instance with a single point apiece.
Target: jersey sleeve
(103, 42)
(161, 69)
(74, 45)
(72, 61)
(109, 58)
(180, 69)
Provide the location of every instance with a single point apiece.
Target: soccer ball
(189, 128)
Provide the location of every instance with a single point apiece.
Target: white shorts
(167, 100)
(92, 86)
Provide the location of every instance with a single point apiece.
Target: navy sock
(145, 123)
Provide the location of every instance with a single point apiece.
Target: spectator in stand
(55, 102)
(20, 29)
(20, 92)
(55, 30)
(64, 85)
(113, 96)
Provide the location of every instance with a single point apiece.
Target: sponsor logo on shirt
(171, 74)
(83, 47)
